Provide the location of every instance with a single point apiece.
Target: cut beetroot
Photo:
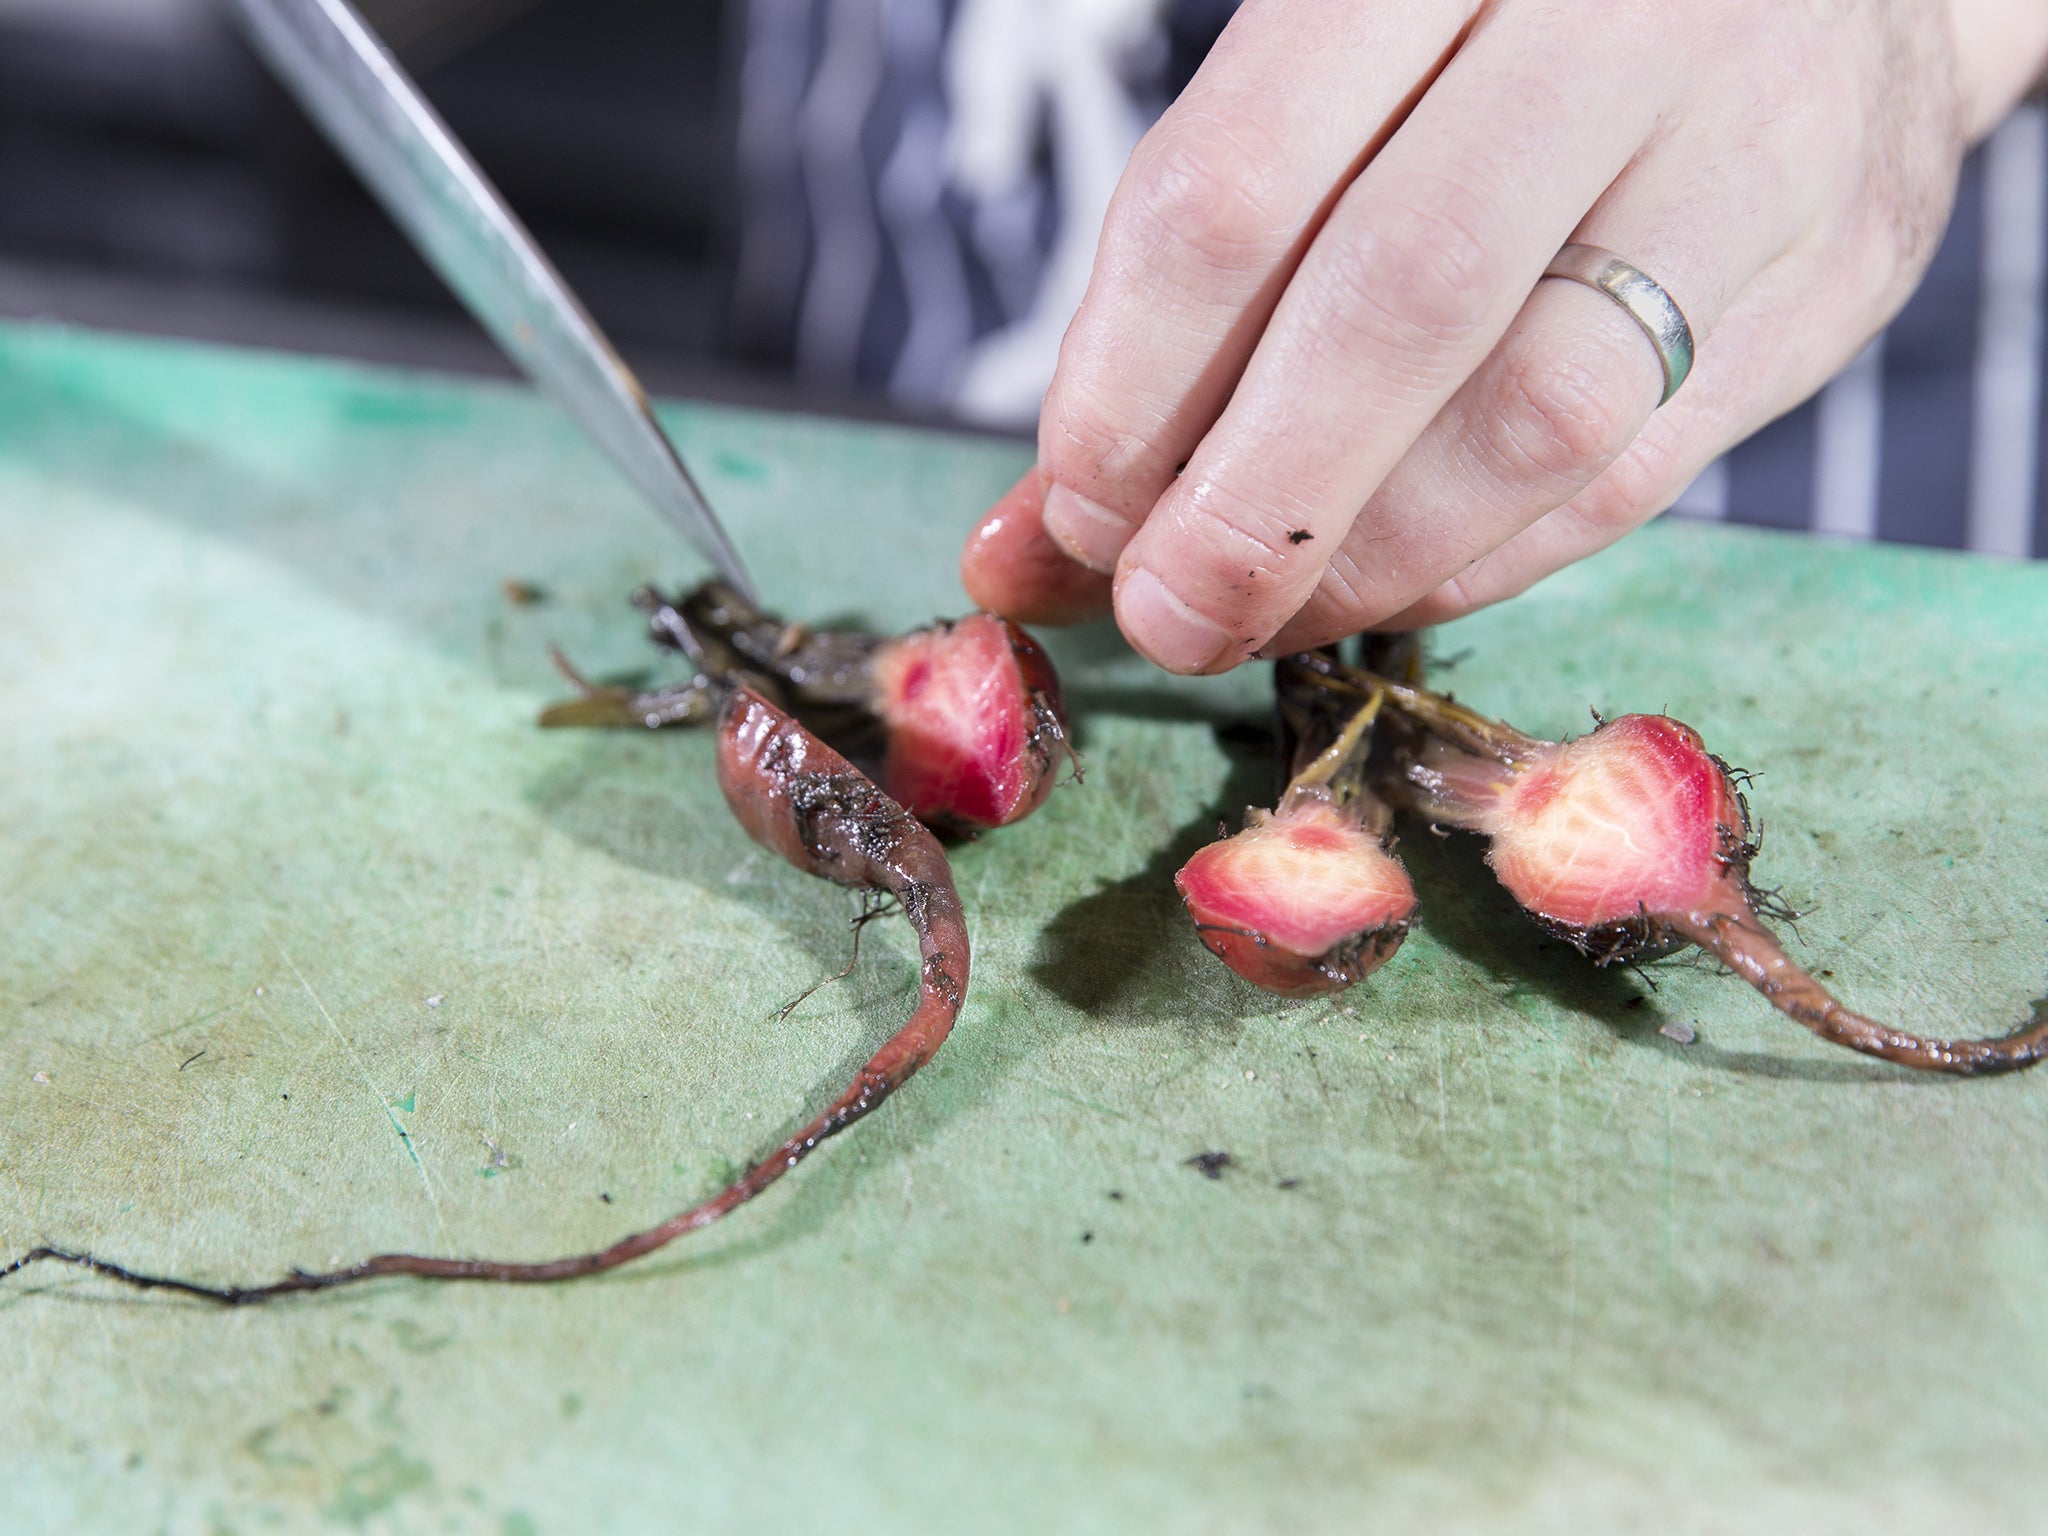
(1628, 842)
(1303, 900)
(1307, 898)
(1638, 816)
(972, 717)
(961, 722)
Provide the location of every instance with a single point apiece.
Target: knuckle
(1879, 166)
(1102, 445)
(1564, 415)
(1909, 197)
(1420, 277)
(1605, 510)
(1459, 593)
(1213, 190)
(1634, 489)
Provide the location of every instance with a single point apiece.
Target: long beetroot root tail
(799, 797)
(1742, 943)
(888, 1070)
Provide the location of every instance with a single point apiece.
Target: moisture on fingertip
(1011, 566)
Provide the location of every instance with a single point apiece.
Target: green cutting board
(314, 945)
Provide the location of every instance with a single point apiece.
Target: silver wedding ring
(1642, 296)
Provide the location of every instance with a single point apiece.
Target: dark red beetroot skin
(797, 796)
(1303, 901)
(976, 732)
(800, 798)
(1633, 839)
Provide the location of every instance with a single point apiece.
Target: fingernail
(1091, 534)
(1165, 630)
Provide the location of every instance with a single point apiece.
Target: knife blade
(361, 97)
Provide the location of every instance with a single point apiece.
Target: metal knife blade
(369, 108)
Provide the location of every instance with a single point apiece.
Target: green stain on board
(416, 1340)
(259, 1446)
(371, 1488)
(733, 466)
(435, 411)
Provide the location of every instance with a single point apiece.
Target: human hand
(1316, 384)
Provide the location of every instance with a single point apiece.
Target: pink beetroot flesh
(1633, 838)
(974, 734)
(1637, 817)
(1303, 900)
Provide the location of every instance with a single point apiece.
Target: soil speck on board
(1209, 1165)
(501, 1163)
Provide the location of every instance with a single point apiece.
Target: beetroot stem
(1334, 773)
(1467, 728)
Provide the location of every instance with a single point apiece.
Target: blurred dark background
(153, 178)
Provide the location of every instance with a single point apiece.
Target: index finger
(1208, 222)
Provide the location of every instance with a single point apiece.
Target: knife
(357, 92)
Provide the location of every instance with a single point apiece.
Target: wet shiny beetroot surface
(1634, 817)
(1302, 901)
(972, 713)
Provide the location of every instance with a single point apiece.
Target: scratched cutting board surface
(316, 946)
